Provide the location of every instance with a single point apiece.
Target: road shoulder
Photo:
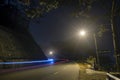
(89, 74)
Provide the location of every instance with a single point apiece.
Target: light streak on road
(28, 62)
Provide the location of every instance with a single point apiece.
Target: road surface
(65, 71)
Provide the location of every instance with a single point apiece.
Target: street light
(51, 52)
(83, 33)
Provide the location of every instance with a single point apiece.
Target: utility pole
(96, 48)
(114, 34)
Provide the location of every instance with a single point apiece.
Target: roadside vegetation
(85, 73)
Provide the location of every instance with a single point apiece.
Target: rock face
(16, 45)
(16, 41)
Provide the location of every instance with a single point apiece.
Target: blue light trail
(28, 62)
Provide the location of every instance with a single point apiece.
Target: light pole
(115, 35)
(96, 48)
(83, 33)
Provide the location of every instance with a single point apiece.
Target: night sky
(59, 25)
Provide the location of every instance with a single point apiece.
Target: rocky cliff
(16, 45)
(16, 41)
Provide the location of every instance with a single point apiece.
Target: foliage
(31, 8)
(41, 8)
(102, 30)
(91, 60)
(36, 8)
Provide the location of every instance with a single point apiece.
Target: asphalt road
(65, 71)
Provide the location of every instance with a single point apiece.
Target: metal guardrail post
(111, 77)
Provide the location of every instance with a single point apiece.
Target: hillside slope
(18, 45)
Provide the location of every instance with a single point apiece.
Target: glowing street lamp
(51, 52)
(82, 33)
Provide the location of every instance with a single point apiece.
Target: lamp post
(83, 33)
(96, 48)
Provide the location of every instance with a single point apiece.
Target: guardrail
(111, 77)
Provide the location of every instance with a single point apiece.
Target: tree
(21, 12)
